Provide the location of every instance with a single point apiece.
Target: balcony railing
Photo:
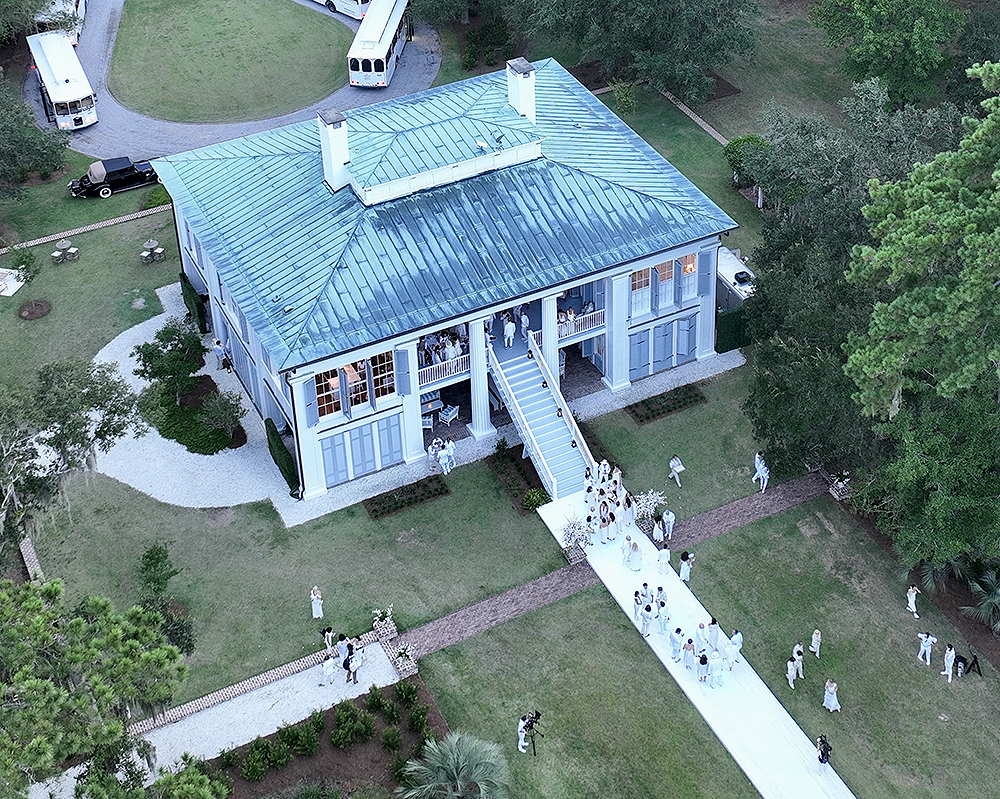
(441, 371)
(581, 324)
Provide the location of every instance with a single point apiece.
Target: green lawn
(246, 578)
(204, 61)
(93, 299)
(791, 66)
(714, 440)
(902, 731)
(615, 723)
(48, 208)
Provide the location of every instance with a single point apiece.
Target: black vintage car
(106, 177)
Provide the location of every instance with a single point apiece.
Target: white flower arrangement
(646, 504)
(575, 533)
(380, 615)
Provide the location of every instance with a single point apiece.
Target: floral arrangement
(575, 533)
(646, 504)
(403, 652)
(380, 615)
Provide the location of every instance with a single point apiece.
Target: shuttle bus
(373, 56)
(353, 8)
(66, 94)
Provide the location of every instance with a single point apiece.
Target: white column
(413, 433)
(616, 302)
(706, 316)
(312, 477)
(480, 427)
(550, 335)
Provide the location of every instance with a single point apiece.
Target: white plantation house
(357, 264)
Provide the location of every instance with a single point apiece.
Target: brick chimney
(521, 87)
(333, 138)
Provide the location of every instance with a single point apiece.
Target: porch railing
(581, 324)
(441, 371)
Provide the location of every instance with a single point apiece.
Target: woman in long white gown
(830, 700)
(316, 598)
(635, 557)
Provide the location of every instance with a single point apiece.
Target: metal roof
(318, 273)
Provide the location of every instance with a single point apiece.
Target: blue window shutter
(704, 273)
(345, 393)
(654, 290)
(677, 283)
(312, 409)
(401, 362)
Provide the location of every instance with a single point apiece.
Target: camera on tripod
(530, 720)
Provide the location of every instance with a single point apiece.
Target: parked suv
(106, 177)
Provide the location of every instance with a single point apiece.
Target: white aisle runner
(773, 751)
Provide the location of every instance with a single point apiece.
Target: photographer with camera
(526, 726)
(823, 750)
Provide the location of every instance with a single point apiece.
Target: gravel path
(125, 132)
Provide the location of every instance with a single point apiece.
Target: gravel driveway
(124, 132)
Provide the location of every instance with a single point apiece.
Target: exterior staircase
(552, 440)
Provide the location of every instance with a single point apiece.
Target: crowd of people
(349, 655)
(442, 453)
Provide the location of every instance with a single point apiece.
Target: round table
(64, 244)
(151, 244)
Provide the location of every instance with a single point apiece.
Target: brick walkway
(749, 509)
(496, 610)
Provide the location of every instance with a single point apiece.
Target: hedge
(194, 304)
(282, 457)
(731, 330)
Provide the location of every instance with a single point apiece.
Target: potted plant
(403, 662)
(382, 623)
(575, 536)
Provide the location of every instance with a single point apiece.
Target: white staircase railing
(520, 421)
(535, 352)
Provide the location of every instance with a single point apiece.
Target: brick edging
(31, 562)
(87, 228)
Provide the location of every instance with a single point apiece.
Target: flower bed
(406, 497)
(516, 474)
(649, 410)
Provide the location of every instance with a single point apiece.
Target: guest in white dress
(663, 559)
(703, 668)
(658, 533)
(830, 700)
(737, 641)
(635, 558)
(688, 656)
(911, 600)
(713, 634)
(687, 561)
(817, 639)
(316, 598)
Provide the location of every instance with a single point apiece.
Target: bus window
(62, 109)
(87, 103)
(355, 66)
(379, 65)
(366, 65)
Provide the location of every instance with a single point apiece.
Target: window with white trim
(640, 293)
(328, 392)
(383, 374)
(664, 284)
(689, 276)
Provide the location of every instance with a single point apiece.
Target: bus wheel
(104, 192)
(331, 5)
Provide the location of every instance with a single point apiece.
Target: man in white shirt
(926, 642)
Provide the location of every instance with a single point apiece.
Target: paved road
(125, 132)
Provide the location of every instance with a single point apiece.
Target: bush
(661, 405)
(284, 459)
(500, 450)
(418, 718)
(287, 734)
(391, 711)
(374, 700)
(229, 757)
(741, 150)
(397, 767)
(254, 767)
(406, 497)
(490, 59)
(156, 570)
(353, 726)
(731, 330)
(194, 304)
(279, 755)
(223, 411)
(471, 57)
(534, 498)
(391, 739)
(316, 722)
(183, 425)
(406, 694)
(179, 631)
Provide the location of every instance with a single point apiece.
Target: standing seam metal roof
(352, 275)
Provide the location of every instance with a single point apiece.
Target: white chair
(448, 414)
(427, 422)
(158, 254)
(72, 253)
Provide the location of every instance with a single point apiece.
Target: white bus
(66, 94)
(353, 8)
(372, 59)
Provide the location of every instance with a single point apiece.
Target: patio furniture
(158, 254)
(150, 244)
(72, 253)
(427, 422)
(146, 256)
(58, 257)
(448, 414)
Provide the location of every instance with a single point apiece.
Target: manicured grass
(48, 208)
(902, 727)
(713, 439)
(615, 723)
(246, 578)
(92, 298)
(204, 61)
(698, 157)
(791, 66)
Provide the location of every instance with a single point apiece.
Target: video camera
(531, 719)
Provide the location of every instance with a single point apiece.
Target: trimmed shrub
(471, 56)
(229, 757)
(316, 722)
(653, 408)
(353, 726)
(374, 700)
(731, 330)
(418, 718)
(391, 739)
(254, 766)
(283, 459)
(391, 711)
(534, 498)
(180, 424)
(406, 694)
(279, 755)
(287, 734)
(194, 304)
(406, 497)
(397, 767)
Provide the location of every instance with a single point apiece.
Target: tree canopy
(18, 16)
(71, 677)
(175, 353)
(902, 42)
(673, 43)
(23, 147)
